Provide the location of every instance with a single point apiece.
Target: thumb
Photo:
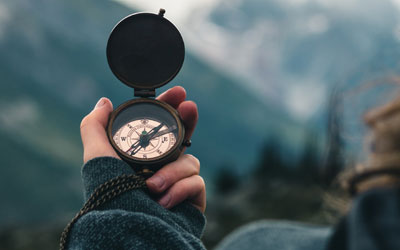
(93, 132)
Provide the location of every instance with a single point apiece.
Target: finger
(191, 189)
(93, 132)
(189, 114)
(185, 166)
(173, 96)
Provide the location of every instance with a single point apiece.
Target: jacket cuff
(100, 170)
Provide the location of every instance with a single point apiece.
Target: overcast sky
(216, 52)
(177, 10)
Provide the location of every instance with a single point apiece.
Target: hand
(180, 178)
(93, 133)
(179, 181)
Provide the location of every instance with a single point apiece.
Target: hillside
(53, 70)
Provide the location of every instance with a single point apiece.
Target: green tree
(308, 167)
(271, 164)
(334, 156)
(226, 180)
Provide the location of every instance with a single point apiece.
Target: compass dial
(145, 138)
(146, 133)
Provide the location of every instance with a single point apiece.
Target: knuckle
(89, 121)
(193, 160)
(85, 121)
(200, 181)
(168, 178)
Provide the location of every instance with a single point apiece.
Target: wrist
(100, 170)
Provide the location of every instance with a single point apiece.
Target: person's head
(383, 143)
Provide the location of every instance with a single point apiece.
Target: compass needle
(166, 131)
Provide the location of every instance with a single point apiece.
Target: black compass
(146, 51)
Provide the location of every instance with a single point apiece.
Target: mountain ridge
(53, 71)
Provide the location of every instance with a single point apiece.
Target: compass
(146, 51)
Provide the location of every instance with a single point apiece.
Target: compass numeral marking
(123, 138)
(129, 126)
(164, 139)
(159, 151)
(144, 121)
(144, 156)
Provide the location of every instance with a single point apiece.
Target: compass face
(145, 138)
(145, 131)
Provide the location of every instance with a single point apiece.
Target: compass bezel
(156, 162)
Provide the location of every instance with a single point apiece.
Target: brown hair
(383, 143)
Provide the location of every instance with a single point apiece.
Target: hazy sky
(219, 41)
(177, 10)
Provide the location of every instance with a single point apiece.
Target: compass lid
(145, 51)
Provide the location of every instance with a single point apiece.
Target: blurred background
(281, 87)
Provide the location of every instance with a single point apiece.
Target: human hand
(179, 180)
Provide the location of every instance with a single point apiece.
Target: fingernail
(100, 103)
(157, 181)
(165, 200)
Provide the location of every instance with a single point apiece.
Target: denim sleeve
(132, 220)
(373, 223)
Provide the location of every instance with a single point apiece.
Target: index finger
(186, 109)
(174, 96)
(189, 114)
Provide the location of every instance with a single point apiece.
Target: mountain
(299, 55)
(53, 70)
(294, 53)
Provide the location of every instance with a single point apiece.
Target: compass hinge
(145, 92)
